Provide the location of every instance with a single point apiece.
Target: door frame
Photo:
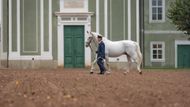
(60, 39)
(179, 42)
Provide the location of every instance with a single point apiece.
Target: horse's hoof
(107, 72)
(140, 73)
(91, 72)
(125, 73)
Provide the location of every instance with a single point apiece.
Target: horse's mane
(96, 34)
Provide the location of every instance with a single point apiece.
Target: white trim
(163, 32)
(137, 23)
(16, 56)
(179, 42)
(106, 18)
(163, 50)
(18, 27)
(163, 13)
(97, 16)
(50, 27)
(110, 20)
(37, 35)
(42, 25)
(1, 12)
(1, 30)
(129, 19)
(61, 41)
(124, 20)
(10, 26)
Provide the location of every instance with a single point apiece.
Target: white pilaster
(124, 33)
(18, 27)
(97, 16)
(129, 19)
(42, 25)
(106, 18)
(50, 27)
(137, 19)
(10, 26)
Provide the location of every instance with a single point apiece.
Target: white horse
(115, 49)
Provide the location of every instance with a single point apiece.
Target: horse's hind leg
(138, 63)
(128, 63)
(138, 68)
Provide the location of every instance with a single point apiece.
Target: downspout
(142, 31)
(7, 33)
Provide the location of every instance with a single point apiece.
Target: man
(101, 54)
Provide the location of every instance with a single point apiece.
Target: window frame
(150, 12)
(62, 9)
(163, 51)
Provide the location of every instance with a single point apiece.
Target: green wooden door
(73, 46)
(183, 56)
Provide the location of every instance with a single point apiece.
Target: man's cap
(99, 36)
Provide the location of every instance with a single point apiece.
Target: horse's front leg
(93, 65)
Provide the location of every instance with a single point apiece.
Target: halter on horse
(115, 49)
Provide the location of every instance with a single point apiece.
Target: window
(157, 10)
(157, 51)
(74, 5)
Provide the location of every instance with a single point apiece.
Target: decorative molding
(74, 14)
(163, 32)
(23, 44)
(84, 9)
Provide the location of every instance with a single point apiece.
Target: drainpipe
(7, 33)
(142, 31)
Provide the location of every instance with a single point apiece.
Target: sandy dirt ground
(78, 88)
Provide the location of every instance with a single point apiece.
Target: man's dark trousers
(100, 63)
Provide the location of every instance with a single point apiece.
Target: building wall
(164, 32)
(33, 27)
(32, 31)
(116, 23)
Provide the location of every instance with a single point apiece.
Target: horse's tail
(139, 54)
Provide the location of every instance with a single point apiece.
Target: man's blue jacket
(101, 50)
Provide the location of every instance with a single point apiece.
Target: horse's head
(92, 38)
(89, 39)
